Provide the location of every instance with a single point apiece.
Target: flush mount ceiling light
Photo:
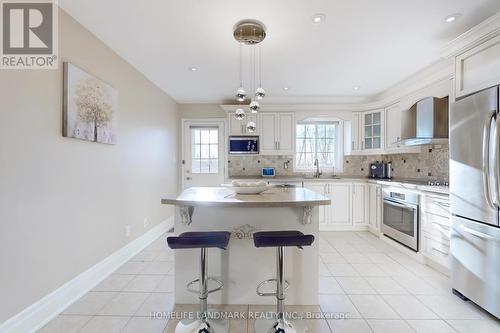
(318, 19)
(193, 69)
(451, 18)
(355, 88)
(250, 33)
(286, 88)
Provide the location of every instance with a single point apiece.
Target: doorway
(203, 152)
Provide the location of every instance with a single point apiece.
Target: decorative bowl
(247, 188)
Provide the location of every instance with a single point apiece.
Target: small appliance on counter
(378, 170)
(268, 172)
(244, 145)
(388, 172)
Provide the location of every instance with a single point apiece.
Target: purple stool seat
(282, 238)
(199, 240)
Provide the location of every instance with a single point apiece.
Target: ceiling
(365, 43)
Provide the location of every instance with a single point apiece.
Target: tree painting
(90, 107)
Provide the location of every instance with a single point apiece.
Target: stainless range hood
(426, 122)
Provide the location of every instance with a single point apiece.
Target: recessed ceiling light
(318, 18)
(451, 18)
(193, 69)
(355, 88)
(286, 88)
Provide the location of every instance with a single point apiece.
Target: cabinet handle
(443, 204)
(278, 145)
(440, 251)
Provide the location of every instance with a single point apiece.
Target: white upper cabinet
(352, 140)
(393, 127)
(277, 133)
(372, 127)
(286, 138)
(478, 68)
(269, 137)
(239, 127)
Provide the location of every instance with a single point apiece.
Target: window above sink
(318, 140)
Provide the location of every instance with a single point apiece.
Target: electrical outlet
(127, 230)
(146, 222)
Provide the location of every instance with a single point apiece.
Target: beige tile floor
(377, 288)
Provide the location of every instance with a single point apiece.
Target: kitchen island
(242, 266)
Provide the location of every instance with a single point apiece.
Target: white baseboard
(326, 227)
(40, 313)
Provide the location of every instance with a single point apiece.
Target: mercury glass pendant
(251, 127)
(254, 106)
(239, 114)
(241, 94)
(260, 93)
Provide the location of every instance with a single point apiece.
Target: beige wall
(201, 111)
(64, 203)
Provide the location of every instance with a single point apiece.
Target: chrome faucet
(318, 173)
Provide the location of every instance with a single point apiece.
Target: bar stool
(280, 239)
(203, 241)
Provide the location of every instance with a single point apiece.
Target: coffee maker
(380, 170)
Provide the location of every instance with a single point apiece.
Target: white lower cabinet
(340, 209)
(319, 188)
(435, 229)
(375, 207)
(348, 210)
(359, 207)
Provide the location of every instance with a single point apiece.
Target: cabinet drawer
(437, 225)
(437, 206)
(435, 250)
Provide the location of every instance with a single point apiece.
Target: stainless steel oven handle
(401, 205)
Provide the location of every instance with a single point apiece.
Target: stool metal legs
(203, 324)
(280, 324)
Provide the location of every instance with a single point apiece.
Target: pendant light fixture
(240, 93)
(260, 93)
(250, 33)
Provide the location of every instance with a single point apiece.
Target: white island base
(242, 266)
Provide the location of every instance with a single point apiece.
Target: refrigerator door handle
(496, 161)
(477, 233)
(486, 160)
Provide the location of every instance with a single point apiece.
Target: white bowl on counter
(247, 187)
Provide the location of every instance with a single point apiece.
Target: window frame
(210, 144)
(338, 145)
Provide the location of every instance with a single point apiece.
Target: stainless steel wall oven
(401, 217)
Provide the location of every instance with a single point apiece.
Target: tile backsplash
(432, 163)
(247, 166)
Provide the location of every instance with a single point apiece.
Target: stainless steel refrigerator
(475, 198)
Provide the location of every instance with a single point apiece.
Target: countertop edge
(273, 204)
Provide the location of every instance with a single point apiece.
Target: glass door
(372, 127)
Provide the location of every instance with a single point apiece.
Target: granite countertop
(412, 184)
(223, 197)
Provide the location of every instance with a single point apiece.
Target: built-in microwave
(243, 145)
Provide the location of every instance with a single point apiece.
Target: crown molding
(485, 30)
(434, 74)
